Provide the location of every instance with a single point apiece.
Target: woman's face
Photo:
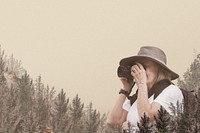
(151, 72)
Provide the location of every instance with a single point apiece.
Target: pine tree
(191, 77)
(180, 122)
(50, 105)
(9, 100)
(61, 109)
(145, 125)
(25, 98)
(102, 124)
(5, 110)
(9, 108)
(25, 93)
(190, 82)
(162, 121)
(76, 113)
(105, 128)
(92, 120)
(2, 64)
(41, 103)
(115, 129)
(14, 65)
(196, 124)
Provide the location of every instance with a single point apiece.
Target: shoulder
(172, 88)
(170, 96)
(171, 92)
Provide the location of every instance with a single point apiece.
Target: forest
(29, 106)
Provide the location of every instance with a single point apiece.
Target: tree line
(28, 106)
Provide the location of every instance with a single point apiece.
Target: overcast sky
(77, 44)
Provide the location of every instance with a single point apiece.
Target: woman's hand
(139, 74)
(127, 85)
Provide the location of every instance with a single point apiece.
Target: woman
(148, 71)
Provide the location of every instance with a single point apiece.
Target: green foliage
(162, 121)
(2, 64)
(92, 120)
(61, 110)
(116, 129)
(76, 115)
(191, 77)
(145, 125)
(12, 64)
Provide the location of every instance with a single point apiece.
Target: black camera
(125, 71)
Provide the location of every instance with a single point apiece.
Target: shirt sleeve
(126, 105)
(171, 95)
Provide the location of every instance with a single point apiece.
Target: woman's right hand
(127, 85)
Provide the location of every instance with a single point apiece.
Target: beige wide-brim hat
(151, 53)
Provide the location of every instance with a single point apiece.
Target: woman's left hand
(139, 74)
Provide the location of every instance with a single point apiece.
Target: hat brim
(129, 61)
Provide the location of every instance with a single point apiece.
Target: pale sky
(77, 44)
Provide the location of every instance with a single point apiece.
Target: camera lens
(124, 71)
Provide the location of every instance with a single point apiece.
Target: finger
(133, 73)
(133, 70)
(136, 68)
(140, 66)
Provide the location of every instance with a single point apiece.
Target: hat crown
(153, 52)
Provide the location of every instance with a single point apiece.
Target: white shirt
(171, 94)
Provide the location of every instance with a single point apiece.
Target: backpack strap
(156, 90)
(190, 101)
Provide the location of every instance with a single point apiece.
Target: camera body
(125, 71)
